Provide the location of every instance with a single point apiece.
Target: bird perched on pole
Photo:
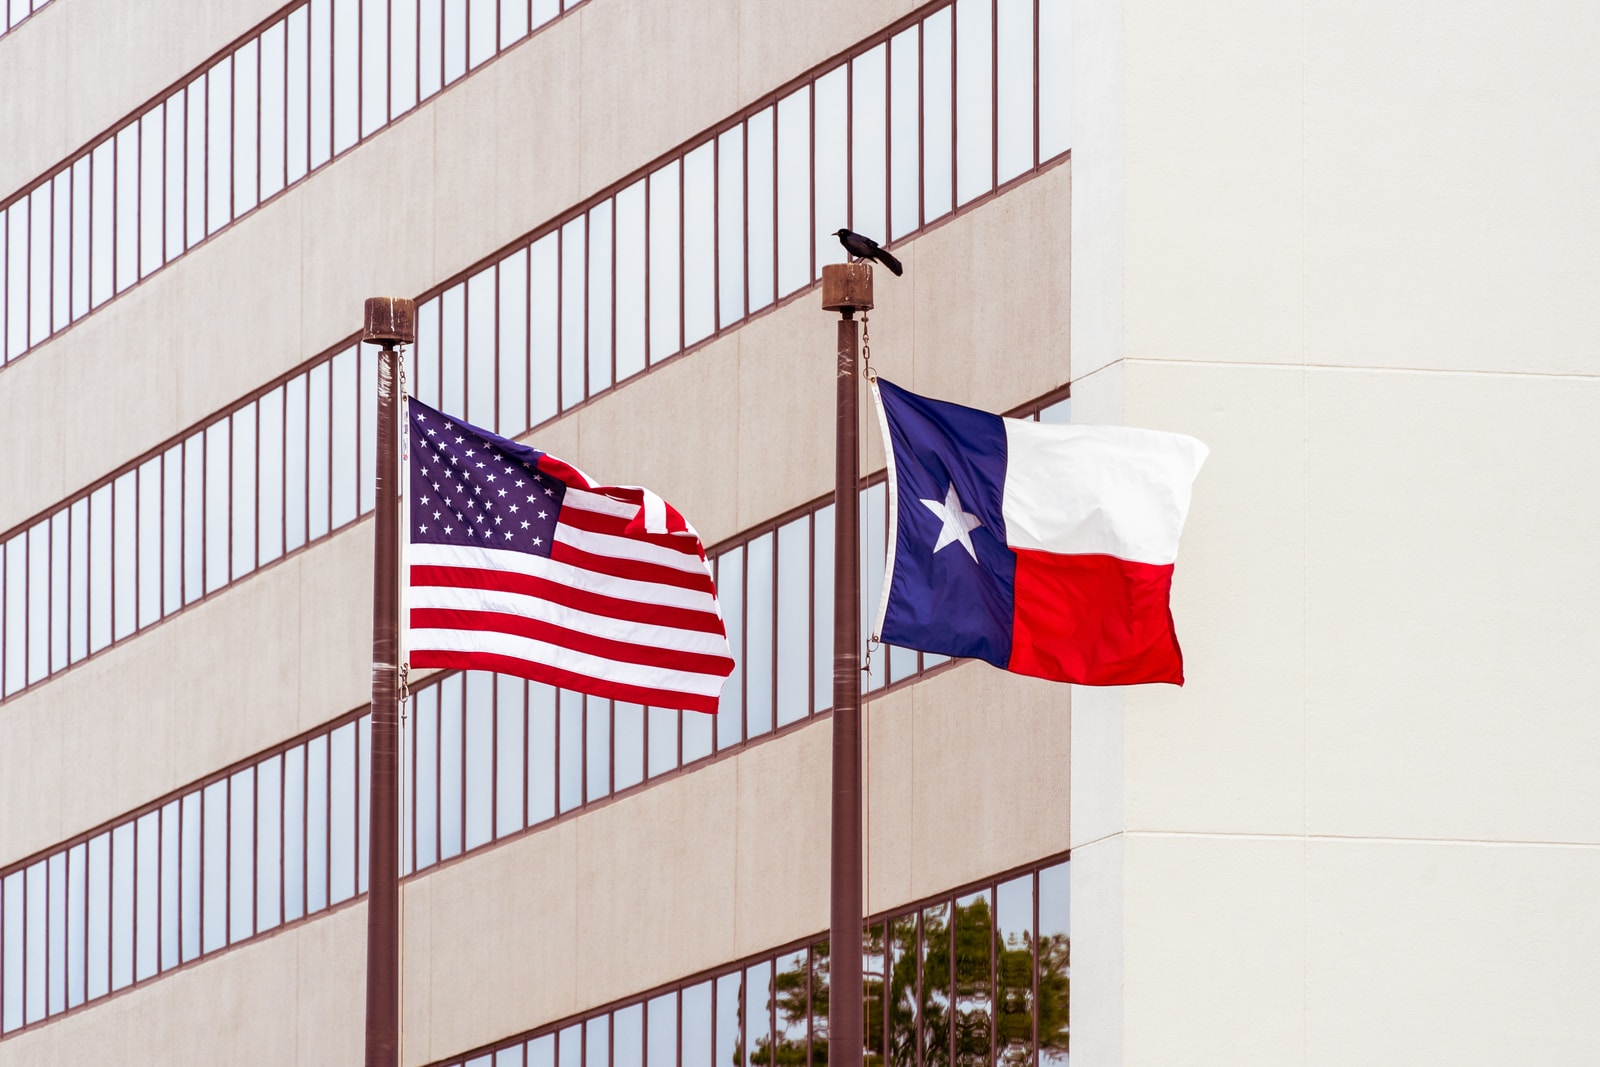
(861, 247)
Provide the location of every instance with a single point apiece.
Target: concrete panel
(784, 833)
(1451, 953)
(1227, 751)
(796, 37)
(334, 670)
(1213, 972)
(1450, 608)
(1422, 248)
(1212, 195)
(127, 52)
(1098, 169)
(295, 997)
(1096, 1010)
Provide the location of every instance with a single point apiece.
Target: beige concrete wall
(156, 713)
(967, 774)
(78, 66)
(296, 997)
(1345, 247)
(506, 149)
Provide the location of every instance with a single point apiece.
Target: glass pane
(1014, 84)
(427, 776)
(11, 962)
(241, 856)
(513, 343)
(822, 610)
(661, 1026)
(695, 1008)
(102, 227)
(430, 47)
(761, 190)
(127, 224)
(1055, 963)
(346, 73)
(600, 306)
(663, 734)
(509, 752)
(699, 731)
(246, 111)
(77, 930)
(627, 1037)
(1055, 77)
(730, 226)
(665, 266)
(794, 620)
(570, 736)
(38, 632)
(270, 473)
(218, 147)
(36, 926)
(81, 195)
(402, 58)
(974, 99)
(597, 1042)
(346, 471)
(872, 985)
(295, 458)
(374, 18)
(217, 437)
(451, 755)
(57, 934)
(937, 117)
(479, 357)
(628, 741)
(973, 936)
(758, 1005)
(318, 441)
(794, 191)
(189, 879)
(455, 39)
(172, 536)
(297, 130)
(730, 596)
(597, 748)
(152, 190)
(869, 144)
(936, 986)
(269, 832)
(573, 274)
(905, 147)
(273, 43)
(171, 882)
(194, 513)
(342, 814)
(242, 524)
(544, 291)
(294, 833)
(874, 538)
(367, 428)
(541, 753)
(317, 824)
(902, 998)
(147, 898)
(630, 332)
(150, 493)
(758, 652)
(1013, 940)
(125, 555)
(730, 1008)
(513, 25)
(321, 64)
(100, 530)
(830, 126)
(480, 758)
(214, 868)
(790, 993)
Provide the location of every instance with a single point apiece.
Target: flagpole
(389, 324)
(846, 288)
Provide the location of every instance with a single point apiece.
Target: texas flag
(1043, 549)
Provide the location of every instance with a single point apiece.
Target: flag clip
(873, 644)
(866, 351)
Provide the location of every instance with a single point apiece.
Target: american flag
(520, 564)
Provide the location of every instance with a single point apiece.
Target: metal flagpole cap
(390, 321)
(847, 287)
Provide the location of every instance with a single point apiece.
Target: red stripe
(539, 672)
(539, 630)
(637, 569)
(617, 526)
(1095, 620)
(567, 596)
(563, 470)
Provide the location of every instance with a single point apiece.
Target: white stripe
(615, 546)
(646, 635)
(567, 659)
(424, 554)
(598, 502)
(894, 508)
(1098, 490)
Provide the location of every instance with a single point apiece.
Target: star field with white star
(470, 487)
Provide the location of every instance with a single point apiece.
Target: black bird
(866, 248)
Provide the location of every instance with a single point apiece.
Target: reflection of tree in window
(972, 992)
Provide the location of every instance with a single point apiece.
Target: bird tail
(890, 262)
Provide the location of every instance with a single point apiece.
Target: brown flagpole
(846, 288)
(390, 324)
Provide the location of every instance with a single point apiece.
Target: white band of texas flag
(1045, 550)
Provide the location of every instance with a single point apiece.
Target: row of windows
(977, 977)
(318, 78)
(484, 756)
(695, 243)
(909, 129)
(16, 11)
